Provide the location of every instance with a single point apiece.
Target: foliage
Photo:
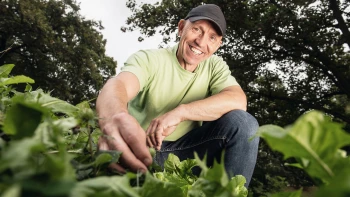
(48, 148)
(53, 44)
(315, 142)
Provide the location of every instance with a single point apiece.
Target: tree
(49, 41)
(290, 56)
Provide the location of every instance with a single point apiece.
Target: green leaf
(22, 119)
(153, 187)
(36, 186)
(13, 191)
(116, 186)
(107, 157)
(217, 173)
(185, 167)
(52, 103)
(59, 166)
(288, 194)
(65, 124)
(28, 88)
(215, 182)
(314, 140)
(18, 155)
(202, 163)
(84, 104)
(171, 163)
(5, 70)
(44, 133)
(15, 80)
(340, 184)
(178, 172)
(103, 158)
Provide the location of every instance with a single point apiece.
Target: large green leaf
(153, 187)
(116, 186)
(18, 156)
(15, 80)
(5, 70)
(36, 186)
(52, 103)
(171, 163)
(215, 182)
(22, 119)
(339, 185)
(314, 140)
(106, 156)
(178, 172)
(13, 191)
(288, 194)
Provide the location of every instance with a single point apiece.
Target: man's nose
(200, 40)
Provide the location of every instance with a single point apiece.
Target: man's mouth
(196, 51)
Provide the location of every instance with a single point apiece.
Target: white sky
(113, 14)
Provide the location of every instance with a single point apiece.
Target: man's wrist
(105, 118)
(181, 111)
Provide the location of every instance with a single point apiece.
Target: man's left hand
(161, 127)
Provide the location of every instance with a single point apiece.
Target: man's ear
(180, 26)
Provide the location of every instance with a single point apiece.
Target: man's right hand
(123, 133)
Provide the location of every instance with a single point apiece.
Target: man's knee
(240, 120)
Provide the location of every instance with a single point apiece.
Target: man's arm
(215, 106)
(122, 131)
(208, 109)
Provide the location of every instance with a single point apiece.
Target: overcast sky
(113, 14)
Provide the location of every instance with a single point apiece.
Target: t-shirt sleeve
(221, 76)
(138, 64)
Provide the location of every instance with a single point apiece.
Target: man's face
(198, 41)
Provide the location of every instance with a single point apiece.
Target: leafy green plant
(315, 142)
(48, 148)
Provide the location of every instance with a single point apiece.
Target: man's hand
(123, 133)
(163, 126)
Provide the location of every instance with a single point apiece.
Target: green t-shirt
(164, 85)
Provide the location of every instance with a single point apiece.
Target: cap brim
(196, 18)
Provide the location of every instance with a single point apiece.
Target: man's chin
(193, 61)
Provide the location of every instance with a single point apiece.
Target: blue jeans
(230, 133)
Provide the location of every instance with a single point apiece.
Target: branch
(337, 13)
(334, 76)
(341, 82)
(6, 50)
(328, 95)
(305, 103)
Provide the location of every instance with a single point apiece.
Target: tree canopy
(49, 41)
(289, 56)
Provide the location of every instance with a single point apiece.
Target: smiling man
(180, 100)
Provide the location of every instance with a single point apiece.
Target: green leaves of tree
(53, 44)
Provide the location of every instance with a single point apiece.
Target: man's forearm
(115, 95)
(214, 107)
(111, 100)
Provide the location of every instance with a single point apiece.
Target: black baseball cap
(209, 12)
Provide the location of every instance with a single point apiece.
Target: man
(162, 96)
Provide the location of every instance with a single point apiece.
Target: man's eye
(213, 38)
(196, 29)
